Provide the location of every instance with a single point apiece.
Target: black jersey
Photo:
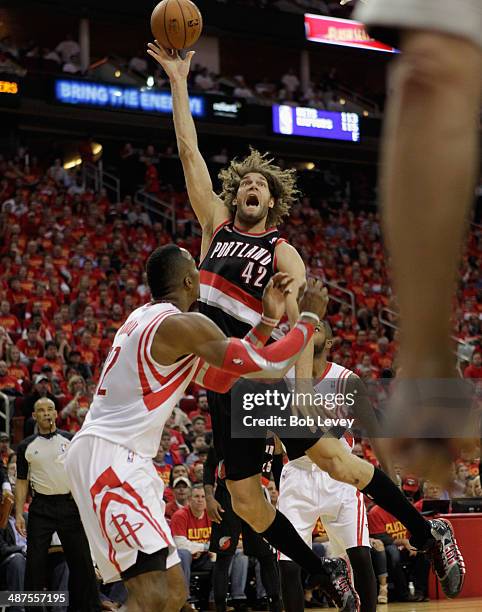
(233, 275)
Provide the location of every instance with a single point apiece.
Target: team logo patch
(224, 543)
(238, 361)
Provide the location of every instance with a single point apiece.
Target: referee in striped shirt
(39, 463)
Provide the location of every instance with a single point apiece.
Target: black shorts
(244, 457)
(155, 562)
(225, 535)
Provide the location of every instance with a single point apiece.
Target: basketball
(176, 24)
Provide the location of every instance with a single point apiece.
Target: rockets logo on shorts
(126, 530)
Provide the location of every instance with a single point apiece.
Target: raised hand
(279, 286)
(174, 65)
(315, 298)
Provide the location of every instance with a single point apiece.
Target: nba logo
(285, 119)
(130, 457)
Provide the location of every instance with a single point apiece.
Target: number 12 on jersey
(112, 357)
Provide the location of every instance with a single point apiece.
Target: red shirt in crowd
(381, 521)
(10, 323)
(30, 351)
(184, 523)
(472, 371)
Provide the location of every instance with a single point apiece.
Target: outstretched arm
(193, 333)
(208, 207)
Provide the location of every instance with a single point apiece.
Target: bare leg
(152, 591)
(428, 175)
(176, 588)
(250, 503)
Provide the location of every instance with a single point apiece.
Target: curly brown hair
(281, 183)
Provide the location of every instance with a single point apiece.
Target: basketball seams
(184, 22)
(166, 30)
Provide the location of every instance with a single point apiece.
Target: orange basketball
(176, 24)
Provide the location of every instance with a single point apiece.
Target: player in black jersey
(227, 527)
(241, 250)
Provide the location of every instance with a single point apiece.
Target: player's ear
(329, 344)
(271, 202)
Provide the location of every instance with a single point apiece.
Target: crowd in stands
(72, 269)
(321, 93)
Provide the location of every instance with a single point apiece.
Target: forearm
(220, 381)
(192, 547)
(21, 490)
(183, 122)
(242, 359)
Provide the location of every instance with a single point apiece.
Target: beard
(250, 217)
(318, 349)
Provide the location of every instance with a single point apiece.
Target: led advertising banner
(301, 121)
(344, 32)
(116, 97)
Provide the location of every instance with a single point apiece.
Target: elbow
(187, 150)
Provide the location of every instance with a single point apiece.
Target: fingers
(281, 281)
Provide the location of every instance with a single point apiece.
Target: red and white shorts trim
(119, 496)
(307, 493)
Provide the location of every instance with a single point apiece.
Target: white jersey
(332, 380)
(136, 395)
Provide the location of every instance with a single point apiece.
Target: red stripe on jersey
(156, 399)
(230, 289)
(157, 375)
(324, 373)
(146, 388)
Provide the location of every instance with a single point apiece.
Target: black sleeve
(277, 468)
(209, 473)
(22, 463)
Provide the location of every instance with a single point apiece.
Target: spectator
(77, 404)
(191, 529)
(180, 487)
(202, 410)
(31, 347)
(16, 368)
(5, 451)
(51, 358)
(473, 488)
(242, 90)
(273, 493)
(290, 81)
(8, 384)
(199, 429)
(40, 390)
(67, 48)
(474, 370)
(198, 446)
(460, 482)
(13, 549)
(8, 320)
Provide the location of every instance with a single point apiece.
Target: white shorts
(119, 496)
(458, 17)
(307, 493)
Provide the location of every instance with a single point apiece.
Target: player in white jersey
(158, 351)
(308, 493)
